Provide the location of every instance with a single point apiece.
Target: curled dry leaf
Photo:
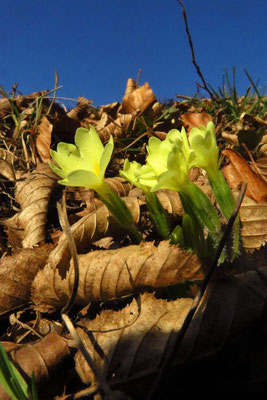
(116, 127)
(108, 274)
(133, 339)
(120, 186)
(33, 195)
(89, 229)
(194, 119)
(43, 139)
(253, 216)
(131, 344)
(17, 273)
(49, 359)
(6, 164)
(137, 99)
(238, 171)
(261, 165)
(79, 112)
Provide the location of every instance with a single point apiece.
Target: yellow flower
(203, 143)
(141, 176)
(84, 164)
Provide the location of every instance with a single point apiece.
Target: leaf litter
(122, 311)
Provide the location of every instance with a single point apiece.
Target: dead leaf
(17, 273)
(238, 171)
(253, 216)
(33, 195)
(43, 139)
(132, 340)
(194, 119)
(89, 229)
(48, 359)
(137, 99)
(108, 274)
(115, 127)
(131, 344)
(79, 112)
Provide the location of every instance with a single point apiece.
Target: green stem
(119, 210)
(199, 207)
(157, 214)
(225, 199)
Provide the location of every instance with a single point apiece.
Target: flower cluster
(167, 165)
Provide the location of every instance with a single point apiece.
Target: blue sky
(96, 45)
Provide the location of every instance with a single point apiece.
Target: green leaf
(10, 378)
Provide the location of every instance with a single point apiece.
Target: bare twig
(62, 213)
(103, 385)
(204, 84)
(178, 337)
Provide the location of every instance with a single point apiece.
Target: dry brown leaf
(21, 102)
(17, 273)
(261, 165)
(253, 216)
(194, 119)
(115, 127)
(49, 359)
(43, 139)
(119, 186)
(33, 195)
(133, 342)
(79, 112)
(108, 274)
(89, 229)
(137, 99)
(7, 170)
(238, 171)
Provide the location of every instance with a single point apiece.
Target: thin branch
(204, 86)
(62, 213)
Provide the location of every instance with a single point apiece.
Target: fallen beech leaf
(119, 186)
(108, 274)
(193, 120)
(89, 229)
(261, 164)
(7, 170)
(49, 359)
(33, 195)
(253, 216)
(78, 113)
(137, 338)
(117, 127)
(43, 139)
(17, 273)
(137, 99)
(239, 171)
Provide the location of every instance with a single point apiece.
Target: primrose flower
(85, 165)
(194, 201)
(175, 177)
(203, 143)
(141, 176)
(144, 177)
